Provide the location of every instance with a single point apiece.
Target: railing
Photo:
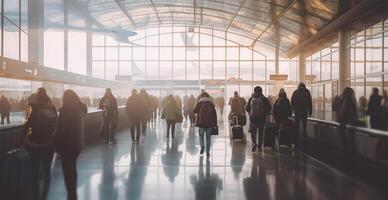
(348, 146)
(11, 137)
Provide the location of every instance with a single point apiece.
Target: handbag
(214, 130)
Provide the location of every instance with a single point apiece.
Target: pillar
(36, 32)
(344, 59)
(89, 69)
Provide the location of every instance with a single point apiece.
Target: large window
(177, 53)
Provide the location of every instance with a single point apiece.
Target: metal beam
(273, 21)
(125, 12)
(194, 11)
(235, 15)
(342, 21)
(156, 12)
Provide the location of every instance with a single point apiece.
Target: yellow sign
(278, 77)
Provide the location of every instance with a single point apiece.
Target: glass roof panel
(258, 21)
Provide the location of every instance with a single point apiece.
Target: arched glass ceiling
(263, 23)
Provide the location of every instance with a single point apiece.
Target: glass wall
(180, 53)
(15, 29)
(322, 70)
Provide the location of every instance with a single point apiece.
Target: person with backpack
(110, 113)
(170, 114)
(206, 120)
(258, 108)
(68, 138)
(302, 106)
(39, 129)
(237, 109)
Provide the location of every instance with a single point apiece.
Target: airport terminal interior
(188, 48)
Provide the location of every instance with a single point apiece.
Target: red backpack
(205, 114)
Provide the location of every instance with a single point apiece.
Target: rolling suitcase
(286, 133)
(270, 132)
(237, 130)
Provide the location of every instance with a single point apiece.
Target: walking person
(347, 107)
(110, 114)
(190, 106)
(39, 128)
(135, 109)
(384, 105)
(221, 104)
(206, 120)
(237, 109)
(258, 108)
(5, 109)
(282, 108)
(374, 110)
(170, 114)
(302, 104)
(145, 98)
(68, 138)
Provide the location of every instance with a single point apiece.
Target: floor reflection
(161, 168)
(206, 185)
(171, 160)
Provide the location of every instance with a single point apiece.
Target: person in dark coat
(257, 123)
(145, 98)
(302, 106)
(282, 108)
(190, 108)
(206, 120)
(108, 104)
(135, 110)
(347, 107)
(170, 114)
(39, 129)
(375, 110)
(69, 138)
(5, 109)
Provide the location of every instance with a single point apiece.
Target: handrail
(18, 126)
(370, 132)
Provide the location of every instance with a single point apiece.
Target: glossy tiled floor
(163, 169)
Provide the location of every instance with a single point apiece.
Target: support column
(36, 32)
(89, 69)
(302, 67)
(344, 59)
(66, 34)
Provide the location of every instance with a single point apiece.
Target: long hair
(71, 99)
(42, 97)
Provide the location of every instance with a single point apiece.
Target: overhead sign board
(278, 77)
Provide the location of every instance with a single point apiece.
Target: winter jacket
(170, 111)
(281, 110)
(212, 114)
(5, 106)
(266, 104)
(109, 106)
(135, 108)
(68, 137)
(38, 130)
(237, 106)
(301, 102)
(347, 110)
(374, 105)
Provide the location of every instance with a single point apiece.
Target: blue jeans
(208, 132)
